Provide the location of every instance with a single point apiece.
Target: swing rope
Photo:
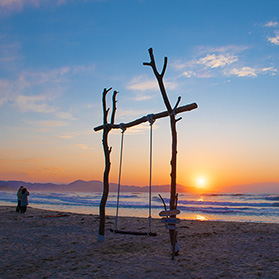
(151, 122)
(119, 177)
(149, 233)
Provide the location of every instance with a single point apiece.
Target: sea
(262, 208)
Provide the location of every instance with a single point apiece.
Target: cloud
(15, 6)
(272, 24)
(274, 40)
(136, 130)
(229, 49)
(45, 125)
(10, 6)
(82, 146)
(141, 84)
(35, 103)
(271, 70)
(215, 61)
(9, 52)
(71, 135)
(244, 72)
(65, 115)
(208, 58)
(35, 91)
(189, 74)
(39, 103)
(52, 76)
(141, 97)
(131, 113)
(53, 123)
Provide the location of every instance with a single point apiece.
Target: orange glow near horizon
(204, 173)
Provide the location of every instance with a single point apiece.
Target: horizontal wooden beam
(147, 118)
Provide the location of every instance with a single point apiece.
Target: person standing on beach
(24, 200)
(19, 198)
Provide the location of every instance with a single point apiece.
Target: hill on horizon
(97, 186)
(84, 186)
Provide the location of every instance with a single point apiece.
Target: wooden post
(171, 111)
(107, 151)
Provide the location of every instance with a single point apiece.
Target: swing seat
(134, 233)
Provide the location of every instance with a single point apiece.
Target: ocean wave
(272, 198)
(228, 203)
(124, 196)
(226, 195)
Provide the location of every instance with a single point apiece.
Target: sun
(201, 182)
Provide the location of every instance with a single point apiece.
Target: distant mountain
(84, 186)
(97, 186)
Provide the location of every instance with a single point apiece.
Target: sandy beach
(36, 245)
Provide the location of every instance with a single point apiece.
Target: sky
(56, 58)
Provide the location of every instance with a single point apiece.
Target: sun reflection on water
(200, 217)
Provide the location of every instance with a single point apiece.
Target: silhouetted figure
(24, 200)
(19, 198)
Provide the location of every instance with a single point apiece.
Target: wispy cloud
(36, 103)
(40, 77)
(275, 39)
(82, 146)
(70, 135)
(251, 72)
(36, 91)
(270, 70)
(208, 58)
(44, 125)
(272, 24)
(142, 84)
(9, 51)
(225, 50)
(54, 123)
(54, 75)
(136, 130)
(243, 72)
(15, 6)
(10, 6)
(225, 59)
(215, 61)
(131, 113)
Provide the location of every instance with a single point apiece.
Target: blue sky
(57, 56)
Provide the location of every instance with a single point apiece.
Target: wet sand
(37, 246)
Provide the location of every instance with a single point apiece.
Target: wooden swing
(115, 230)
(171, 112)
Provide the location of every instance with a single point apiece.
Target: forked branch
(105, 110)
(114, 101)
(159, 77)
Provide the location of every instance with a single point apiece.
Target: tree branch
(113, 107)
(159, 78)
(164, 67)
(105, 111)
(177, 103)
